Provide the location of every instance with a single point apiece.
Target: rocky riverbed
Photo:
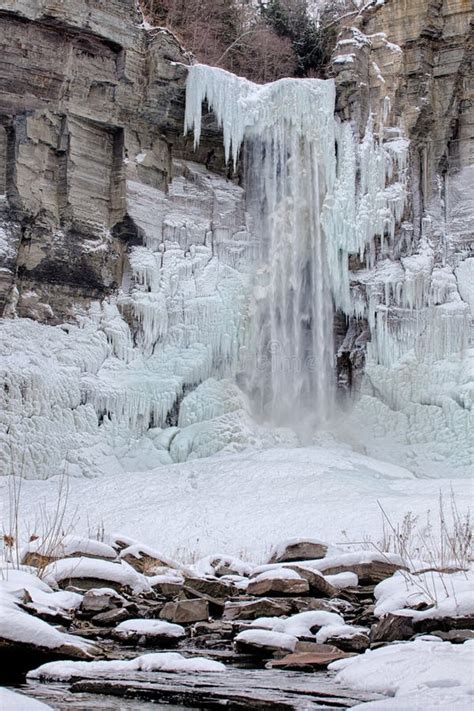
(117, 625)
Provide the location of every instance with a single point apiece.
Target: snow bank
(12, 701)
(411, 670)
(442, 698)
(447, 595)
(234, 503)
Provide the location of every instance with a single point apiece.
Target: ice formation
(232, 286)
(320, 198)
(289, 133)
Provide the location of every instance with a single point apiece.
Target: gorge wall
(111, 223)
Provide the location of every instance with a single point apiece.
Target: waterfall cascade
(289, 135)
(311, 212)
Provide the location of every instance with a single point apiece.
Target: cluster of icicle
(319, 197)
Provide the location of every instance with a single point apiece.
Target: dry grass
(51, 525)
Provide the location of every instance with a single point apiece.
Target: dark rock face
(392, 628)
(84, 89)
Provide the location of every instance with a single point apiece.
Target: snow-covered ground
(423, 674)
(242, 503)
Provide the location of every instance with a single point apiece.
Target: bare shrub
(429, 550)
(51, 525)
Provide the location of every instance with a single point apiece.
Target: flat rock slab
(185, 611)
(278, 586)
(251, 609)
(308, 661)
(318, 585)
(278, 690)
(370, 573)
(299, 550)
(213, 587)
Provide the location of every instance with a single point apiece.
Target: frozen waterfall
(290, 169)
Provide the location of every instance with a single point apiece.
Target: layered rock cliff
(84, 90)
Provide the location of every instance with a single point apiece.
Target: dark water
(60, 698)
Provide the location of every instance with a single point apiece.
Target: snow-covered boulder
(147, 632)
(410, 603)
(222, 565)
(302, 625)
(349, 638)
(98, 600)
(146, 559)
(40, 552)
(422, 674)
(26, 639)
(371, 567)
(87, 573)
(264, 642)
